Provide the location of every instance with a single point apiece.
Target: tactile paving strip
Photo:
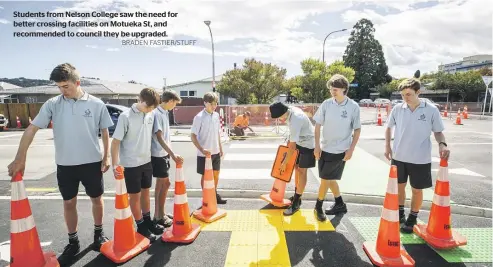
(368, 228)
(478, 248)
(272, 249)
(235, 221)
(242, 250)
(305, 220)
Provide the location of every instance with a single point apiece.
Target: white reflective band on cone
(209, 184)
(122, 214)
(208, 164)
(121, 188)
(392, 186)
(179, 176)
(442, 201)
(181, 199)
(390, 215)
(443, 174)
(22, 225)
(18, 191)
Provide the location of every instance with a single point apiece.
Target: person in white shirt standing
(414, 121)
(206, 136)
(161, 153)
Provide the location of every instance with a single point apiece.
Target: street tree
(364, 54)
(255, 83)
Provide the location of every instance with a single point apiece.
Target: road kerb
(255, 194)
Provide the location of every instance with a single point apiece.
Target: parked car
(366, 101)
(396, 101)
(115, 111)
(3, 122)
(381, 101)
(439, 106)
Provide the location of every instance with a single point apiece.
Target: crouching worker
(131, 148)
(241, 123)
(301, 137)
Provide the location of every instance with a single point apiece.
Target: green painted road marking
(365, 174)
(478, 248)
(368, 228)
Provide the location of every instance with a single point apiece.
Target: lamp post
(323, 49)
(208, 23)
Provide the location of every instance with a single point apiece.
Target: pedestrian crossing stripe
(249, 157)
(245, 174)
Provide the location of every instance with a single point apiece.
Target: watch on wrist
(445, 144)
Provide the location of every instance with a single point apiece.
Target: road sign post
(487, 81)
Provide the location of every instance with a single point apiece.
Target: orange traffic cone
(25, 248)
(388, 250)
(19, 124)
(127, 242)
(266, 122)
(182, 230)
(464, 113)
(276, 196)
(379, 119)
(209, 211)
(458, 121)
(438, 233)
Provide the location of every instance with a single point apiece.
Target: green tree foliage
(463, 86)
(310, 87)
(386, 89)
(364, 54)
(255, 83)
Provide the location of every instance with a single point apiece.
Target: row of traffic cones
(438, 233)
(25, 249)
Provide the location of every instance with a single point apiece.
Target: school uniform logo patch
(422, 117)
(87, 113)
(344, 114)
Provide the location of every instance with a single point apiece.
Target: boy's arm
(118, 135)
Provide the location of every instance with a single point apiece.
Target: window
(192, 93)
(183, 93)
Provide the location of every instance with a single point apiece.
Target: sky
(414, 34)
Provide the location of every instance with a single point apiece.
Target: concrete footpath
(256, 234)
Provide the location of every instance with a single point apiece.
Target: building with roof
(475, 62)
(198, 88)
(5, 88)
(123, 93)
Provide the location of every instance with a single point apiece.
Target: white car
(381, 101)
(3, 122)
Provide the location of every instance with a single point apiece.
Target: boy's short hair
(149, 96)
(411, 83)
(170, 95)
(64, 72)
(338, 81)
(211, 97)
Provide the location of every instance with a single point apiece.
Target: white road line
(245, 174)
(12, 135)
(29, 146)
(461, 171)
(470, 144)
(435, 159)
(254, 146)
(250, 157)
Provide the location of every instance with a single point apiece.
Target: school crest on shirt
(149, 120)
(422, 117)
(344, 114)
(87, 113)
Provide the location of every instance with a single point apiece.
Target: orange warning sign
(281, 156)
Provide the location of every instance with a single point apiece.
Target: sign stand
(487, 80)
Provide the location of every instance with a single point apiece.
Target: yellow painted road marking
(257, 236)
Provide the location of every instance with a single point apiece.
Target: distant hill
(24, 82)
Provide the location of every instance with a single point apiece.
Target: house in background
(197, 89)
(5, 96)
(122, 93)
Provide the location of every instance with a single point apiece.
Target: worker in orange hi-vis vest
(241, 123)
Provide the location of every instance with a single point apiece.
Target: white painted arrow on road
(5, 250)
(461, 171)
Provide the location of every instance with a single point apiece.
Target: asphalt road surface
(337, 243)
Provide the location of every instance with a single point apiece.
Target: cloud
(1, 7)
(414, 33)
(92, 46)
(426, 37)
(4, 21)
(112, 49)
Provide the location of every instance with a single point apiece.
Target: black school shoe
(291, 199)
(220, 200)
(294, 207)
(143, 230)
(69, 253)
(165, 222)
(408, 226)
(153, 227)
(99, 239)
(336, 209)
